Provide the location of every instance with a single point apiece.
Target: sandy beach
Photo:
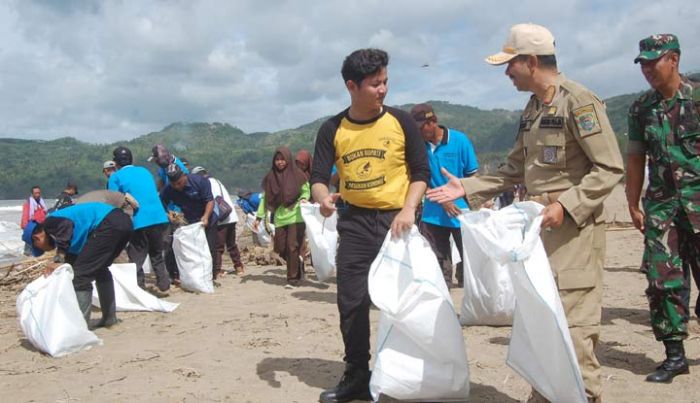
(254, 341)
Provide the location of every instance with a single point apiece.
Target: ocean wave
(8, 226)
(11, 249)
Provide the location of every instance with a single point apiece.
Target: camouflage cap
(655, 46)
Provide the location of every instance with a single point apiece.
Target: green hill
(240, 160)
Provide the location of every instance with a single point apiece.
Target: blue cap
(27, 238)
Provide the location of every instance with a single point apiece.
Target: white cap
(198, 169)
(109, 164)
(524, 39)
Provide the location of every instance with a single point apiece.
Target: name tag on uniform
(549, 154)
(552, 122)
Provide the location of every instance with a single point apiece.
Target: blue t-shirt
(249, 205)
(456, 154)
(85, 217)
(162, 173)
(138, 182)
(192, 199)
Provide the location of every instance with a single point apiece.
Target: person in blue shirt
(193, 194)
(150, 220)
(162, 157)
(452, 150)
(89, 236)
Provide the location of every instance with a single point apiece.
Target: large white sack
(540, 345)
(323, 239)
(261, 233)
(50, 317)
(488, 298)
(147, 267)
(129, 296)
(454, 252)
(421, 353)
(193, 258)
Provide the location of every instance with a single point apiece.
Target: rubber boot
(674, 364)
(85, 304)
(108, 304)
(354, 385)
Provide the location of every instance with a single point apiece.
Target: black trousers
(212, 234)
(439, 239)
(149, 241)
(226, 234)
(103, 245)
(361, 232)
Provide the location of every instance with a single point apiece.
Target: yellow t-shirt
(376, 159)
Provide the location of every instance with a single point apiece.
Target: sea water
(11, 245)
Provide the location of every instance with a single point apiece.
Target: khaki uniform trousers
(576, 256)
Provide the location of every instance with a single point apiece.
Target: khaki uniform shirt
(564, 147)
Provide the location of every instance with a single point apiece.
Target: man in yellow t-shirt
(383, 171)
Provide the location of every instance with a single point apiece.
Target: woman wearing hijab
(303, 160)
(285, 186)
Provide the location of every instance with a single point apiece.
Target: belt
(359, 209)
(544, 198)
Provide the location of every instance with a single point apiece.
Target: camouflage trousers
(671, 253)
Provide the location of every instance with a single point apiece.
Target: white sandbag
(323, 239)
(489, 298)
(261, 233)
(454, 252)
(193, 258)
(50, 317)
(129, 296)
(421, 353)
(147, 267)
(540, 349)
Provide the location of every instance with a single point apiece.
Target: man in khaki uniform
(567, 156)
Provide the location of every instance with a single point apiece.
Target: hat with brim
(27, 238)
(198, 169)
(524, 39)
(422, 112)
(108, 165)
(655, 46)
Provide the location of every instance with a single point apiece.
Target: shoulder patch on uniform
(587, 121)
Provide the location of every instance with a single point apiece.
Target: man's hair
(174, 172)
(35, 187)
(363, 63)
(546, 61)
(38, 228)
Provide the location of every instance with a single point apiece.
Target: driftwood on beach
(17, 275)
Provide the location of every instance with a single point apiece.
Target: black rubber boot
(674, 364)
(108, 304)
(85, 304)
(354, 385)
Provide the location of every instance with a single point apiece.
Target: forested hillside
(238, 159)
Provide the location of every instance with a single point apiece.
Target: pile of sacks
(507, 281)
(48, 309)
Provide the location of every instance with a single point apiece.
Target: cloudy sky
(103, 71)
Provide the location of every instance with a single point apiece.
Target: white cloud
(108, 70)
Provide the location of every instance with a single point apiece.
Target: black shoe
(108, 304)
(674, 364)
(354, 385)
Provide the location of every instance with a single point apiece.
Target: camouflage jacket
(668, 131)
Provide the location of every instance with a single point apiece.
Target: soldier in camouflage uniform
(664, 124)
